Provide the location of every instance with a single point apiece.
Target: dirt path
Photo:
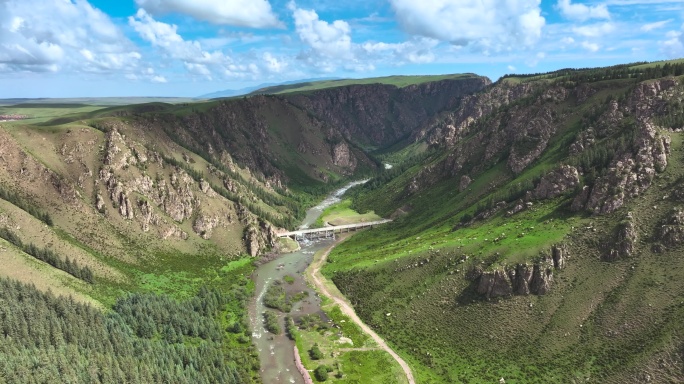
(314, 274)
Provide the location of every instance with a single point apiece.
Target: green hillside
(397, 81)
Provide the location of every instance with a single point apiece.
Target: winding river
(276, 352)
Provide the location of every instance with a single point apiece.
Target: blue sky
(72, 48)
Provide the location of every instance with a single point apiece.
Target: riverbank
(341, 312)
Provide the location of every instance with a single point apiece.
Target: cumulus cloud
(417, 50)
(242, 13)
(491, 24)
(330, 40)
(61, 35)
(166, 37)
(195, 58)
(330, 47)
(581, 12)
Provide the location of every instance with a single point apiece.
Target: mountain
(537, 229)
(537, 233)
(249, 90)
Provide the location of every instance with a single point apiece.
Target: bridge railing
(330, 230)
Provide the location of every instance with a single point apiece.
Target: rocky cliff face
(523, 279)
(516, 123)
(555, 183)
(382, 114)
(632, 171)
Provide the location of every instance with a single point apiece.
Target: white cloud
(591, 47)
(274, 64)
(417, 50)
(330, 40)
(651, 26)
(491, 24)
(159, 79)
(165, 36)
(511, 68)
(62, 35)
(594, 30)
(243, 13)
(581, 12)
(674, 45)
(198, 61)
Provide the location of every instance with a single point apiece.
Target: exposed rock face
(557, 182)
(559, 255)
(583, 92)
(625, 240)
(530, 141)
(361, 111)
(542, 277)
(99, 203)
(584, 140)
(522, 279)
(464, 183)
(341, 156)
(631, 173)
(205, 223)
(259, 237)
(494, 284)
(671, 231)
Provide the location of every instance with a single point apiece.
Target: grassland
(398, 81)
(350, 352)
(342, 213)
(605, 322)
(94, 101)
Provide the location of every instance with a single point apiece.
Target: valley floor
(327, 288)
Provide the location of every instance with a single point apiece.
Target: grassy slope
(602, 321)
(398, 81)
(94, 101)
(342, 213)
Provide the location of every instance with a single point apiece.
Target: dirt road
(320, 282)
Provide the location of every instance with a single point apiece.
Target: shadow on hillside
(469, 295)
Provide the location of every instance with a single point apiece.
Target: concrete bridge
(329, 232)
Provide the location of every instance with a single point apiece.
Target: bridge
(329, 232)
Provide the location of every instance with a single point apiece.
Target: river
(276, 353)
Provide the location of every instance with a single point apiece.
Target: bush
(321, 373)
(271, 322)
(315, 353)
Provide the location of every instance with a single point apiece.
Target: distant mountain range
(248, 90)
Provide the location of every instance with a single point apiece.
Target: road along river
(276, 352)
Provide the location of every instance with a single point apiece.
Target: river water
(276, 352)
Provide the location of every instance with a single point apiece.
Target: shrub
(321, 373)
(315, 353)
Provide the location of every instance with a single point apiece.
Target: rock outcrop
(522, 279)
(671, 231)
(625, 240)
(342, 157)
(632, 172)
(259, 237)
(494, 284)
(556, 183)
(464, 183)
